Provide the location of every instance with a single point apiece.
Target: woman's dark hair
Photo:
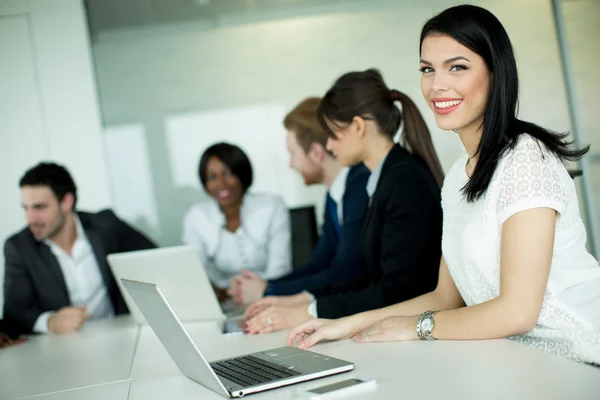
(232, 156)
(55, 176)
(479, 30)
(365, 94)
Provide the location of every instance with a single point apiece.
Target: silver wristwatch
(425, 325)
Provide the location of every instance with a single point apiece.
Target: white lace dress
(528, 176)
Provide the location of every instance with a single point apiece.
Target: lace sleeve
(530, 179)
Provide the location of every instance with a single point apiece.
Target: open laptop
(180, 274)
(233, 377)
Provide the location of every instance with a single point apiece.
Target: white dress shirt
(83, 279)
(337, 190)
(261, 244)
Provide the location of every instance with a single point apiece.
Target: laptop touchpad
(233, 326)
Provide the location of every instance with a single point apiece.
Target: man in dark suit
(335, 261)
(56, 273)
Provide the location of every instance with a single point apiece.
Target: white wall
(155, 75)
(48, 104)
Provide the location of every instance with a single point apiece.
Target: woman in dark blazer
(401, 235)
(402, 230)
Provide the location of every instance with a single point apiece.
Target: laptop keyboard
(250, 371)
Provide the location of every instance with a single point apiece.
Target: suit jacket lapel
(50, 262)
(367, 220)
(389, 160)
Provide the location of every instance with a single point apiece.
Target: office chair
(304, 234)
(575, 173)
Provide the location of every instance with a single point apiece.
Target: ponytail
(365, 94)
(416, 136)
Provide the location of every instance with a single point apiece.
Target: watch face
(427, 324)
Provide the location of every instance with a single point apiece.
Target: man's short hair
(303, 121)
(236, 160)
(55, 176)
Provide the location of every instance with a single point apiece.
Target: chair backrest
(304, 234)
(574, 173)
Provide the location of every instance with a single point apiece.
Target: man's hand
(6, 341)
(251, 287)
(300, 299)
(221, 294)
(68, 319)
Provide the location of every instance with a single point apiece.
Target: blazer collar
(50, 262)
(93, 237)
(396, 153)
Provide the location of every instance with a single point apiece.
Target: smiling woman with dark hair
(514, 262)
(233, 158)
(236, 230)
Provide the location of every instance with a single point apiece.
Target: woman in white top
(514, 260)
(237, 230)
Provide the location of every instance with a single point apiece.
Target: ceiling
(110, 15)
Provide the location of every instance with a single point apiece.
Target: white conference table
(119, 360)
(100, 353)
